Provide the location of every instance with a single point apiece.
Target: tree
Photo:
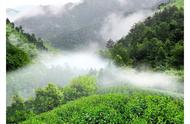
(80, 86)
(158, 41)
(178, 55)
(20, 29)
(24, 50)
(47, 98)
(110, 43)
(18, 111)
(15, 57)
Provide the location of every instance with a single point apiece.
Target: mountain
(75, 25)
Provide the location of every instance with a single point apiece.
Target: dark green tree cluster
(21, 47)
(50, 97)
(45, 99)
(18, 111)
(157, 42)
(16, 57)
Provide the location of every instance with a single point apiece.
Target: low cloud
(61, 67)
(117, 26)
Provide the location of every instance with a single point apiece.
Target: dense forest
(102, 96)
(158, 42)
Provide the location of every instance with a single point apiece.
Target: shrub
(18, 111)
(47, 98)
(80, 86)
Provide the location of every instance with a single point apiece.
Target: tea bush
(116, 108)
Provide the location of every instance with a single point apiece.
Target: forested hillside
(21, 47)
(157, 42)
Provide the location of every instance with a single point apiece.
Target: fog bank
(61, 68)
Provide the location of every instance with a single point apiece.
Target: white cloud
(117, 26)
(33, 7)
(18, 3)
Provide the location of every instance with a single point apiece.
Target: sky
(19, 3)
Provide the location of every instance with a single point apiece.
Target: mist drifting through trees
(94, 51)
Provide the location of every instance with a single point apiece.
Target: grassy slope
(115, 108)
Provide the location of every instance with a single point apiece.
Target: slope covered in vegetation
(116, 108)
(21, 47)
(157, 42)
(123, 104)
(48, 98)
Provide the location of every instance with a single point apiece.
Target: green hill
(115, 108)
(82, 101)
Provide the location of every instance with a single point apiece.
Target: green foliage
(115, 108)
(133, 106)
(156, 42)
(177, 73)
(80, 86)
(21, 47)
(177, 3)
(18, 111)
(87, 83)
(47, 98)
(51, 96)
(16, 57)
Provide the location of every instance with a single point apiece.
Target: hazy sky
(18, 3)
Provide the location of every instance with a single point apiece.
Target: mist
(60, 68)
(87, 24)
(117, 26)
